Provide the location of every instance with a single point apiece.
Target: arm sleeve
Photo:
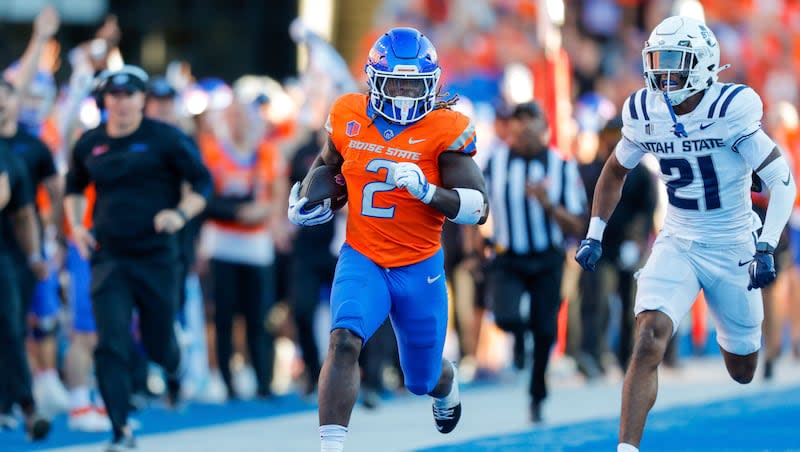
(78, 176)
(782, 192)
(754, 147)
(184, 157)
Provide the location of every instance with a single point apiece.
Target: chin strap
(677, 127)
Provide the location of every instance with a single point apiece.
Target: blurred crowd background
(263, 74)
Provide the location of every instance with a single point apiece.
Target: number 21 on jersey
(686, 175)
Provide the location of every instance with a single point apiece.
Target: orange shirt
(386, 224)
(234, 176)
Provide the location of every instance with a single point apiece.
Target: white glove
(318, 215)
(409, 176)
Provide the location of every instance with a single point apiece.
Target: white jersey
(708, 180)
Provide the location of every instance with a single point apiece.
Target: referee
(537, 199)
(137, 166)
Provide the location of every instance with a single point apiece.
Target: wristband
(182, 214)
(471, 206)
(596, 228)
(429, 194)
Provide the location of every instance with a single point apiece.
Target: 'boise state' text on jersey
(707, 177)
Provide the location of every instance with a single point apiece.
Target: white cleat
(88, 419)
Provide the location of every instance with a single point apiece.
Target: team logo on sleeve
(352, 129)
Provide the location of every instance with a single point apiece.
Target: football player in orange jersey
(407, 163)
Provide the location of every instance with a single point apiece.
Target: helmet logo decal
(707, 36)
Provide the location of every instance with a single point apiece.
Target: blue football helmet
(403, 75)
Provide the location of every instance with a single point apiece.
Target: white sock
(79, 397)
(452, 399)
(47, 374)
(625, 447)
(332, 437)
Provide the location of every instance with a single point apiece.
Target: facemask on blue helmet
(403, 74)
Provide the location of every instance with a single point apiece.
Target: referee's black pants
(15, 376)
(120, 283)
(249, 289)
(509, 278)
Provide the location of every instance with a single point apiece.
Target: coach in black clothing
(537, 199)
(138, 166)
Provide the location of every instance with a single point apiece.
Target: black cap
(160, 88)
(128, 78)
(527, 110)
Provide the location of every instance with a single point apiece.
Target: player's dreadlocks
(443, 101)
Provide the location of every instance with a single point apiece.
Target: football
(322, 183)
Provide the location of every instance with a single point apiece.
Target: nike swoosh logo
(413, 141)
(742, 264)
(432, 280)
(788, 179)
(705, 126)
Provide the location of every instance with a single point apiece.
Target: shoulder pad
(736, 102)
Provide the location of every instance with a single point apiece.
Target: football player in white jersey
(708, 139)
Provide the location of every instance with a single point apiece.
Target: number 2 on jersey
(367, 209)
(685, 177)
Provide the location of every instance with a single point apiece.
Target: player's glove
(299, 216)
(409, 176)
(589, 253)
(762, 267)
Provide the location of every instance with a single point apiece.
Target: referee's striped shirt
(520, 224)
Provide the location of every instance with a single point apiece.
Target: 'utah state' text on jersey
(707, 178)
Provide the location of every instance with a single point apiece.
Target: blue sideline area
(158, 420)
(766, 422)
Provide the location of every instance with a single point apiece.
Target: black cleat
(37, 427)
(768, 369)
(123, 442)
(536, 412)
(446, 418)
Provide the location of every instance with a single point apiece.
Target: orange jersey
(386, 224)
(235, 177)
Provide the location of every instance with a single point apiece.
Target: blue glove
(589, 253)
(762, 267)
